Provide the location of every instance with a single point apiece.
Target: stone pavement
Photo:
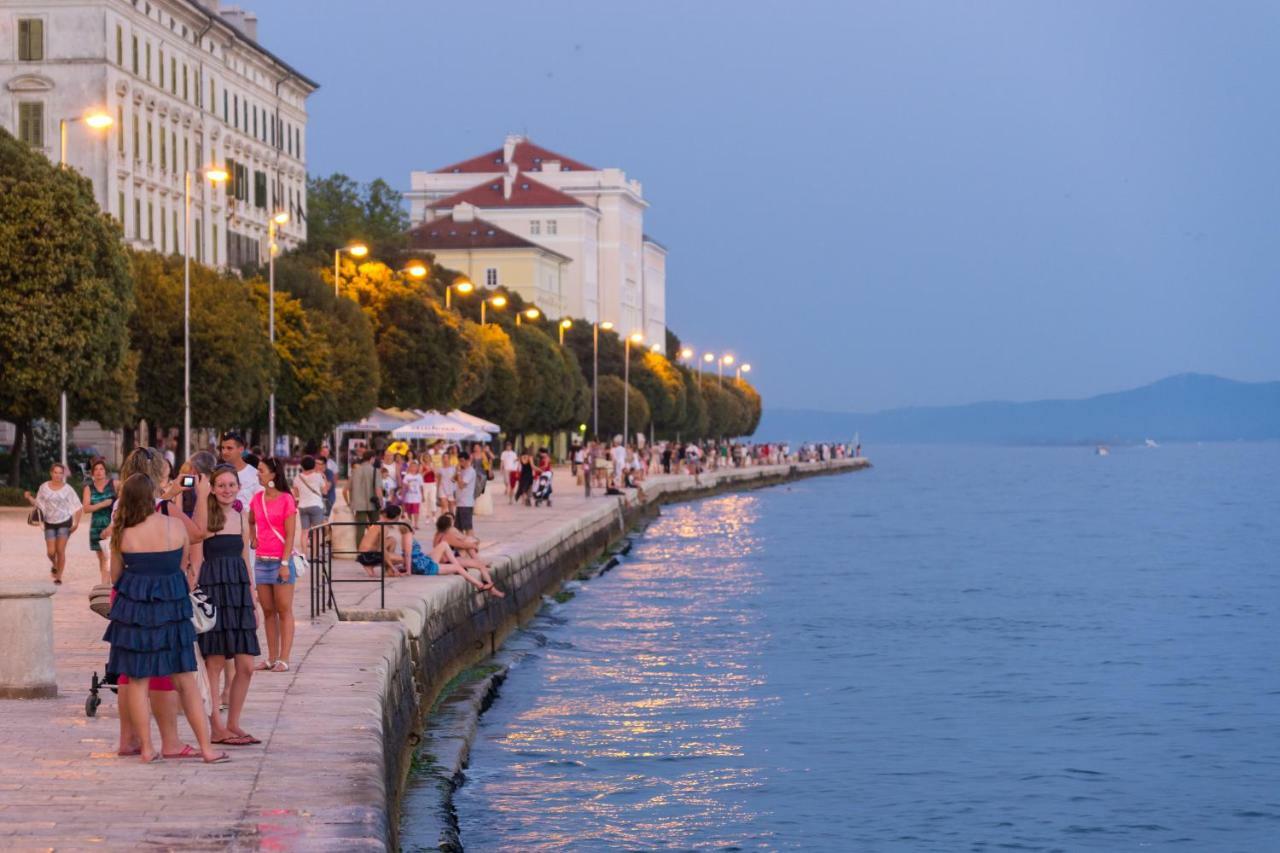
(316, 782)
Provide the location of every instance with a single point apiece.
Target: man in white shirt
(619, 456)
(231, 446)
(466, 482)
(510, 470)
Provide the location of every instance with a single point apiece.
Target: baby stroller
(100, 603)
(542, 489)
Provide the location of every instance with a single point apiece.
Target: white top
(57, 506)
(310, 489)
(467, 487)
(413, 488)
(619, 454)
(510, 461)
(249, 485)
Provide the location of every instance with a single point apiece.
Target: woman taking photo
(60, 512)
(99, 497)
(225, 578)
(151, 634)
(273, 517)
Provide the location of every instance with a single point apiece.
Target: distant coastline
(1186, 407)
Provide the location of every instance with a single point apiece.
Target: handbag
(203, 613)
(298, 564)
(35, 518)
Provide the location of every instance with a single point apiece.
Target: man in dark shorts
(466, 480)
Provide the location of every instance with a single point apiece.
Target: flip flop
(129, 752)
(188, 751)
(222, 758)
(155, 759)
(238, 740)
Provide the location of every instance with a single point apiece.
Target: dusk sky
(876, 204)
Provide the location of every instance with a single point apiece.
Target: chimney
(243, 20)
(509, 146)
(509, 180)
(464, 212)
(551, 165)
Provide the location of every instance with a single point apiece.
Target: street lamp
(633, 338)
(566, 323)
(530, 313)
(417, 269)
(595, 373)
(355, 250)
(707, 358)
(743, 368)
(276, 221)
(725, 359)
(496, 301)
(98, 121)
(464, 286)
(215, 175)
(655, 348)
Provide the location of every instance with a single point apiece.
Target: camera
(188, 481)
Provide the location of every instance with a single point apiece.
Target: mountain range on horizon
(1185, 407)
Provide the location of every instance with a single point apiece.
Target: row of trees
(85, 315)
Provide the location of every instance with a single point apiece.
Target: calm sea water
(961, 649)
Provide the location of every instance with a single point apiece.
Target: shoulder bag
(297, 561)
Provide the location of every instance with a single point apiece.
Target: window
(186, 92)
(491, 277)
(175, 231)
(120, 54)
(150, 143)
(199, 243)
(164, 234)
(224, 104)
(215, 244)
(535, 227)
(164, 161)
(173, 76)
(235, 104)
(255, 122)
(160, 67)
(186, 153)
(31, 123)
(260, 189)
(135, 54)
(173, 149)
(120, 129)
(137, 219)
(120, 208)
(30, 40)
(151, 222)
(137, 140)
(148, 47)
(551, 226)
(213, 95)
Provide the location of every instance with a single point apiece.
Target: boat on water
(1102, 450)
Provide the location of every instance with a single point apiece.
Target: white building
(595, 217)
(187, 85)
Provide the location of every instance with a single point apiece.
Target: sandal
(280, 666)
(263, 666)
(220, 758)
(125, 753)
(238, 740)
(187, 751)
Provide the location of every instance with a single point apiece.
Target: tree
(696, 420)
(663, 389)
(490, 381)
(66, 295)
(611, 416)
(340, 209)
(232, 363)
(545, 383)
(727, 414)
(749, 398)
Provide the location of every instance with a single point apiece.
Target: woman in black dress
(525, 483)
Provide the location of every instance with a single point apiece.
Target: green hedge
(10, 496)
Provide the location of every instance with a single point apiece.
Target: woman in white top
(60, 510)
(309, 488)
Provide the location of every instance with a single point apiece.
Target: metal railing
(321, 553)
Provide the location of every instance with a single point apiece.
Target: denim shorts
(266, 571)
(61, 530)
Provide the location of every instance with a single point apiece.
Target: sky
(875, 204)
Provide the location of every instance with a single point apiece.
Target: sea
(960, 649)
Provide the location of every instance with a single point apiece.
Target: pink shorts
(411, 509)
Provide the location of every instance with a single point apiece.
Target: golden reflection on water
(629, 737)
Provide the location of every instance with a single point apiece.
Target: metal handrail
(321, 553)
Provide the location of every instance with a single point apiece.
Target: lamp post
(566, 323)
(530, 313)
(277, 220)
(464, 286)
(595, 374)
(725, 359)
(633, 338)
(355, 250)
(417, 269)
(216, 175)
(497, 301)
(743, 368)
(707, 358)
(97, 121)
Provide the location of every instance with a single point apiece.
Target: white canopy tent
(479, 424)
(436, 426)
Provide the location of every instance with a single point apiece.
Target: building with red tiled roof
(593, 216)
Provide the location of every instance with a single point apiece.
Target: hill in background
(1187, 407)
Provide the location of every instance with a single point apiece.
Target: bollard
(26, 640)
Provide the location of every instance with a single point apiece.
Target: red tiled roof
(444, 233)
(527, 156)
(525, 192)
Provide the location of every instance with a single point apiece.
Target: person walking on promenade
(151, 634)
(328, 467)
(309, 490)
(226, 580)
(99, 497)
(430, 487)
(524, 478)
(60, 513)
(272, 523)
(510, 471)
(448, 485)
(413, 484)
(466, 488)
(363, 493)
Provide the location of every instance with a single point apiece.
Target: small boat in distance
(1102, 450)
(1151, 443)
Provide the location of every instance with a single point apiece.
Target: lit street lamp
(215, 175)
(725, 359)
(530, 313)
(464, 286)
(743, 368)
(276, 221)
(633, 338)
(707, 358)
(97, 121)
(595, 374)
(355, 250)
(417, 270)
(566, 323)
(497, 301)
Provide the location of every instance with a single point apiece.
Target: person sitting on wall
(465, 551)
(384, 545)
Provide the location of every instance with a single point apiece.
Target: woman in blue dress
(151, 634)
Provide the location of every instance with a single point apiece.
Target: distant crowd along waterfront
(194, 562)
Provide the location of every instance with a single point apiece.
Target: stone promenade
(317, 780)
